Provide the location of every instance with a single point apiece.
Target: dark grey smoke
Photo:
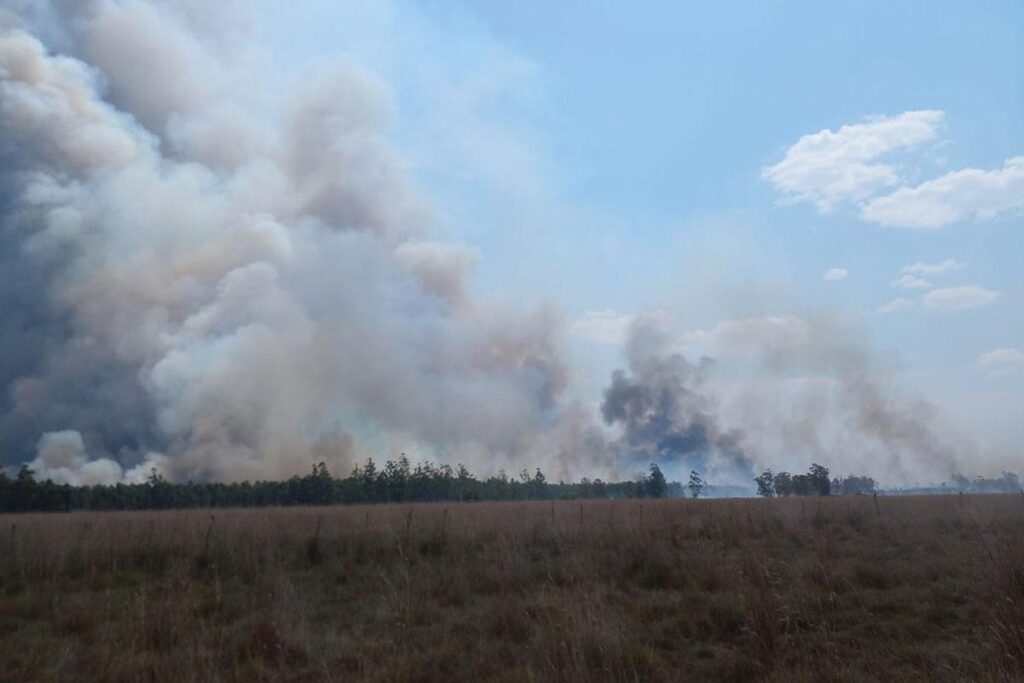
(666, 414)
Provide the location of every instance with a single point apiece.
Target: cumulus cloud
(911, 276)
(959, 298)
(830, 167)
(835, 274)
(908, 281)
(936, 268)
(897, 304)
(967, 194)
(1004, 360)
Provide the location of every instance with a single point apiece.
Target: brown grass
(817, 589)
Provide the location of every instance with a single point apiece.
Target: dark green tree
(819, 480)
(854, 486)
(655, 485)
(783, 484)
(538, 486)
(765, 484)
(696, 484)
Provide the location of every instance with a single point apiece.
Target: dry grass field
(845, 589)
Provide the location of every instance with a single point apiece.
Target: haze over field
(236, 240)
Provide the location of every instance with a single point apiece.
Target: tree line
(397, 481)
(816, 482)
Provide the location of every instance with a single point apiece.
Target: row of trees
(1008, 482)
(815, 483)
(396, 481)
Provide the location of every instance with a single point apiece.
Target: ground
(849, 589)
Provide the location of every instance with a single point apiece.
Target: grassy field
(928, 588)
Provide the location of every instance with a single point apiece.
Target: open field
(928, 588)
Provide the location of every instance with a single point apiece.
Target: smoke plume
(224, 290)
(810, 388)
(665, 412)
(209, 273)
(824, 395)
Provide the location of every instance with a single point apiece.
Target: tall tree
(696, 484)
(655, 486)
(820, 482)
(765, 484)
(783, 484)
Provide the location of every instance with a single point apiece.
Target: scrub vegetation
(780, 589)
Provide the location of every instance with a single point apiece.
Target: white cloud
(835, 274)
(959, 298)
(969, 193)
(911, 276)
(829, 167)
(1001, 361)
(908, 281)
(604, 326)
(937, 268)
(894, 305)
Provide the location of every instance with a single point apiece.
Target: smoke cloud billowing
(821, 394)
(666, 413)
(204, 274)
(224, 290)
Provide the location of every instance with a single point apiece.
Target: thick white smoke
(209, 271)
(242, 289)
(62, 458)
(818, 393)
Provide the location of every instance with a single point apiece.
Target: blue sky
(611, 159)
